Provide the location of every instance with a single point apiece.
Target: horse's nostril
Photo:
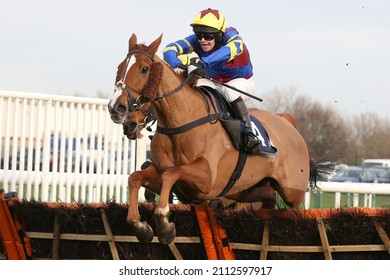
(121, 109)
(133, 125)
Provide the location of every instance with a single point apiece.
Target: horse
(200, 161)
(136, 121)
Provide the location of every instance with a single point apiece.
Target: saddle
(233, 126)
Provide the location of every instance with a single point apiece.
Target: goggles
(206, 36)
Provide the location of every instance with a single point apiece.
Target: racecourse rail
(66, 148)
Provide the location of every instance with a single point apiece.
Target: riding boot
(251, 141)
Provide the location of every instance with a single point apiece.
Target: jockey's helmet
(210, 21)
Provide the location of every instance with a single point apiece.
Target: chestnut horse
(201, 160)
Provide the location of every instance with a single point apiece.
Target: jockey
(224, 57)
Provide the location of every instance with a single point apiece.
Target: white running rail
(64, 148)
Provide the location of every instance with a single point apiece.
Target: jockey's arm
(176, 53)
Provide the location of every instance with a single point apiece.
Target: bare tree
(325, 132)
(372, 136)
(279, 100)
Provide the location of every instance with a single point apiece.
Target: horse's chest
(179, 150)
(181, 157)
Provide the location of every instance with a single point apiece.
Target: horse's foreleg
(166, 231)
(150, 175)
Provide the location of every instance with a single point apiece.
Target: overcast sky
(335, 51)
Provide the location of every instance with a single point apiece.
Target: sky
(336, 52)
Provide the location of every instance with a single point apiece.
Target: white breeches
(245, 85)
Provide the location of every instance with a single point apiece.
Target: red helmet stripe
(205, 12)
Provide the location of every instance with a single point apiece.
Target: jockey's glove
(181, 69)
(196, 67)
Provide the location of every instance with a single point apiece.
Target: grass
(327, 200)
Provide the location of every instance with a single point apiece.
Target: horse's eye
(144, 70)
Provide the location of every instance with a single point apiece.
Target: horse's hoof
(145, 233)
(167, 235)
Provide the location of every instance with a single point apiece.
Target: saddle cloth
(265, 142)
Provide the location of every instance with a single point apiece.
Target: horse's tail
(320, 170)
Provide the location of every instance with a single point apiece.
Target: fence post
(355, 200)
(46, 152)
(337, 200)
(306, 204)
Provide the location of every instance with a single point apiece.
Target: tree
(278, 101)
(325, 132)
(372, 136)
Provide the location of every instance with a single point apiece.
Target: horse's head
(129, 104)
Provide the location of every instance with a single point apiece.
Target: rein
(158, 98)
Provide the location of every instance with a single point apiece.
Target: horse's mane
(156, 71)
(151, 87)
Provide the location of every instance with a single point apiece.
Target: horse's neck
(181, 107)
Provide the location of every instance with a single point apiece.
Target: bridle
(136, 104)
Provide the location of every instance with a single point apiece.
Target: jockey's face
(206, 44)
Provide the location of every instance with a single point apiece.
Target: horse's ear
(132, 41)
(153, 47)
